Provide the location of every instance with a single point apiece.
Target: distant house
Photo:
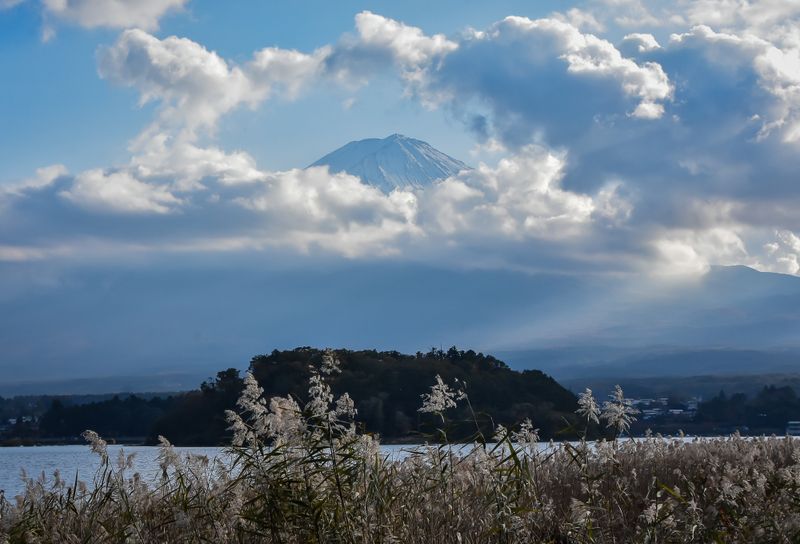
(650, 413)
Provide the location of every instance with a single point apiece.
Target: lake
(69, 459)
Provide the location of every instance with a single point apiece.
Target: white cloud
(408, 45)
(632, 13)
(685, 252)
(336, 212)
(648, 110)
(382, 43)
(587, 54)
(178, 161)
(654, 154)
(519, 198)
(778, 72)
(194, 88)
(756, 15)
(143, 14)
(783, 254)
(644, 42)
(286, 69)
(526, 71)
(752, 16)
(119, 192)
(44, 177)
(581, 19)
(194, 85)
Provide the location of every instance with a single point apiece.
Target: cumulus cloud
(194, 86)
(777, 70)
(688, 252)
(530, 72)
(758, 15)
(644, 42)
(520, 197)
(581, 19)
(119, 192)
(44, 176)
(143, 14)
(178, 160)
(289, 71)
(667, 155)
(408, 45)
(382, 43)
(783, 253)
(586, 54)
(773, 18)
(337, 212)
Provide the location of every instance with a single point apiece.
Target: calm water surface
(78, 458)
(71, 459)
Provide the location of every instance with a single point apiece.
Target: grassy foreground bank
(306, 474)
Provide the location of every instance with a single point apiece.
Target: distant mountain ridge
(394, 162)
(733, 320)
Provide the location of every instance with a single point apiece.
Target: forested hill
(386, 387)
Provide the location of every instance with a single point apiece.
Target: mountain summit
(393, 162)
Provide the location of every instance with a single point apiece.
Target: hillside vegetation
(385, 387)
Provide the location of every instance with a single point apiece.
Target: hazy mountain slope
(734, 320)
(393, 162)
(704, 386)
(660, 362)
(118, 322)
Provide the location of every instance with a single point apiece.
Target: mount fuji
(395, 162)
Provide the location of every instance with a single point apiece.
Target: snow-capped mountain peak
(396, 161)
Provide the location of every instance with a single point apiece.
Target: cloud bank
(671, 150)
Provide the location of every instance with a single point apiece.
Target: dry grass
(305, 475)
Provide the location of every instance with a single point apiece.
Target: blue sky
(143, 143)
(58, 110)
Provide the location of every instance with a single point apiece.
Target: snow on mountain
(393, 162)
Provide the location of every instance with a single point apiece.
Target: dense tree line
(199, 416)
(17, 407)
(115, 418)
(768, 411)
(386, 387)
